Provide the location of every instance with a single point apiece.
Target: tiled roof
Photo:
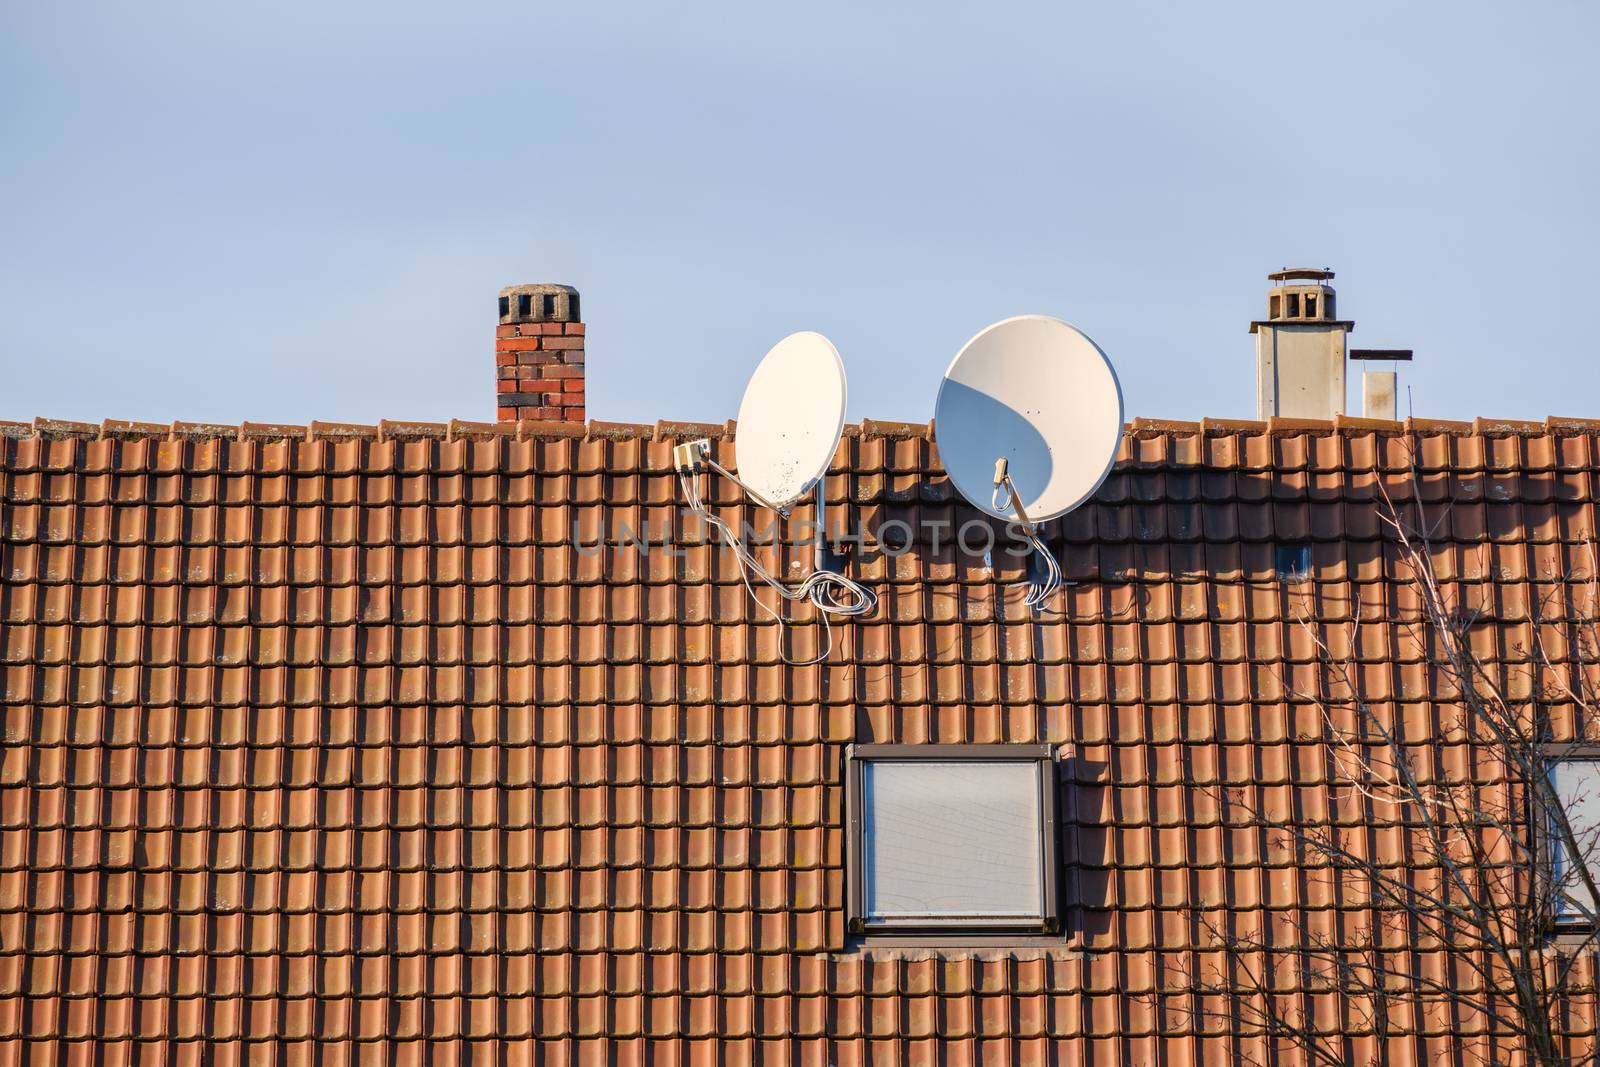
(337, 743)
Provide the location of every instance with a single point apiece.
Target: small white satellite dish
(1028, 420)
(790, 422)
(791, 419)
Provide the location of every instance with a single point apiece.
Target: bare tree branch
(1462, 923)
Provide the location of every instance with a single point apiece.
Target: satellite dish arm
(692, 457)
(1044, 573)
(1002, 480)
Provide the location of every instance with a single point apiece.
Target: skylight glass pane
(1577, 784)
(953, 840)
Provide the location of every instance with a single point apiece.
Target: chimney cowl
(1300, 294)
(539, 303)
(1301, 274)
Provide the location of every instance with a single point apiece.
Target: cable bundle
(1040, 587)
(829, 592)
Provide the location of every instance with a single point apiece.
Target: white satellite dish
(1028, 420)
(790, 422)
(791, 419)
(1037, 393)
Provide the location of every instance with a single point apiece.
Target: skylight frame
(962, 930)
(1563, 922)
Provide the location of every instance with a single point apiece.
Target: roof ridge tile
(670, 430)
(895, 430)
(1140, 424)
(124, 429)
(549, 430)
(60, 429)
(1506, 427)
(255, 431)
(406, 430)
(1438, 426)
(1560, 424)
(1357, 422)
(1220, 427)
(618, 431)
(342, 431)
(1278, 424)
(465, 430)
(203, 430)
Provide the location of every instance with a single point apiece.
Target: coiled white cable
(1040, 588)
(829, 592)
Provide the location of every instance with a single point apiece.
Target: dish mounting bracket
(693, 457)
(827, 559)
(1043, 571)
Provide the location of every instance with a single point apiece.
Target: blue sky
(292, 211)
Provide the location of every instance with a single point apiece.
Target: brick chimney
(538, 354)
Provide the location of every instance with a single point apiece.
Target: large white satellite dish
(1039, 394)
(791, 419)
(1028, 420)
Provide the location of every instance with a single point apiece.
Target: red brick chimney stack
(538, 354)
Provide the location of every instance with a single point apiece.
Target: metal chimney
(1379, 387)
(1300, 347)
